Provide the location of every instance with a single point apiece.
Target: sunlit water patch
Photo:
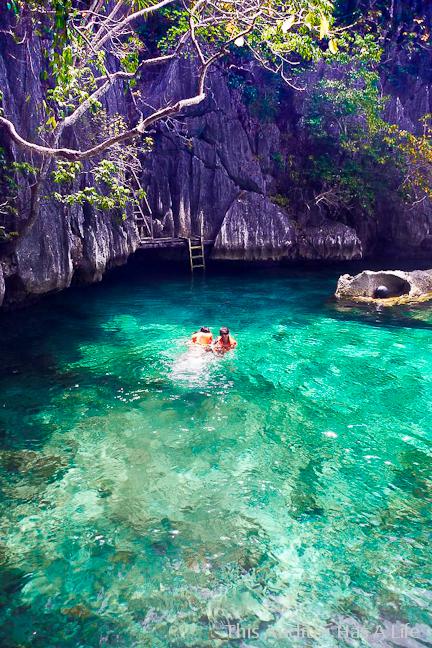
(156, 495)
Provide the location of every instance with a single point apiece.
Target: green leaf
(67, 56)
(333, 46)
(309, 20)
(52, 122)
(324, 27)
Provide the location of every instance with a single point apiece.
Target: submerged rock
(4, 554)
(78, 611)
(122, 556)
(387, 287)
(28, 461)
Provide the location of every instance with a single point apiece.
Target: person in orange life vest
(225, 341)
(203, 337)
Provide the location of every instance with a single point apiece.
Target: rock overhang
(386, 287)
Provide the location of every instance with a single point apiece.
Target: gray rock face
(255, 229)
(221, 168)
(64, 244)
(2, 286)
(393, 285)
(199, 168)
(330, 241)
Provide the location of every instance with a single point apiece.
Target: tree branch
(128, 19)
(76, 155)
(108, 19)
(97, 94)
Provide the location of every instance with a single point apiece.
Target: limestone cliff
(64, 244)
(222, 162)
(219, 164)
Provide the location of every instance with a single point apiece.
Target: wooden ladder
(196, 253)
(144, 223)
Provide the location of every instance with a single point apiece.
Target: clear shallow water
(149, 496)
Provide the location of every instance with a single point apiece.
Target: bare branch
(109, 19)
(118, 27)
(192, 25)
(111, 78)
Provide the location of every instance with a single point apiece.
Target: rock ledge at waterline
(402, 287)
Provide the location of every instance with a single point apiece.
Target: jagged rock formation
(387, 287)
(254, 228)
(64, 244)
(220, 165)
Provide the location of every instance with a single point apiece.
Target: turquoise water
(278, 496)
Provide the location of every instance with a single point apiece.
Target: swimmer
(203, 337)
(225, 341)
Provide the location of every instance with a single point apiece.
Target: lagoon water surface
(150, 497)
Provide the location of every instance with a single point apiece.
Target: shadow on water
(413, 317)
(76, 316)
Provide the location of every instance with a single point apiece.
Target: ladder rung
(196, 245)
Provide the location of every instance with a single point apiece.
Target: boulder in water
(382, 292)
(387, 287)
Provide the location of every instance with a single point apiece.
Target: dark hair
(224, 330)
(205, 329)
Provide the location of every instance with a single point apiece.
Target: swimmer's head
(205, 329)
(224, 330)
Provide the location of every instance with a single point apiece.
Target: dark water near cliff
(150, 496)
